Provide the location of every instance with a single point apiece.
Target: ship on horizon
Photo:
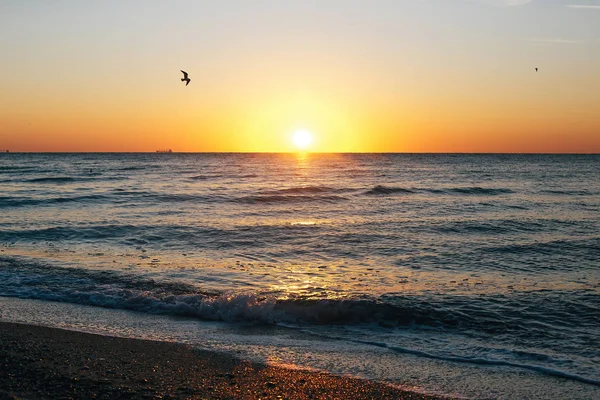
(164, 151)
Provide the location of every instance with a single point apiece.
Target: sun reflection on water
(303, 223)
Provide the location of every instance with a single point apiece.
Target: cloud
(552, 41)
(585, 6)
(516, 2)
(502, 3)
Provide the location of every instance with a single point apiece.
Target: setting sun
(302, 139)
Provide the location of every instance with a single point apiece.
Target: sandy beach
(47, 363)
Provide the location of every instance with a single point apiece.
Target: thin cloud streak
(552, 41)
(517, 2)
(584, 6)
(502, 3)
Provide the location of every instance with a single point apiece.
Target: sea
(467, 275)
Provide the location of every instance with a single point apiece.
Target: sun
(302, 139)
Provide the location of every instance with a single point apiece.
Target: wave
(21, 277)
(490, 226)
(121, 291)
(299, 194)
(170, 198)
(569, 192)
(159, 237)
(206, 177)
(483, 361)
(71, 179)
(53, 179)
(127, 234)
(382, 190)
(112, 290)
(140, 195)
(560, 246)
(138, 168)
(8, 201)
(15, 169)
(11, 168)
(386, 190)
(253, 199)
(68, 233)
(203, 177)
(479, 191)
(302, 190)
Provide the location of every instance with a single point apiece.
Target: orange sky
(413, 76)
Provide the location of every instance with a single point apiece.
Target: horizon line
(297, 152)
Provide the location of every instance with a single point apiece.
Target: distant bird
(536, 70)
(185, 78)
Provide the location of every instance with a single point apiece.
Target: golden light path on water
(317, 281)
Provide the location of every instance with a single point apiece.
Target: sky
(360, 76)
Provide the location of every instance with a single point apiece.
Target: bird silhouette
(536, 70)
(185, 78)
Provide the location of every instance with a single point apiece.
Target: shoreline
(48, 363)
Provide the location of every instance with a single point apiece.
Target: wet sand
(46, 363)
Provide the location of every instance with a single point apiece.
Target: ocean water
(456, 274)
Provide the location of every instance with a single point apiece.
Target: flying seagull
(185, 78)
